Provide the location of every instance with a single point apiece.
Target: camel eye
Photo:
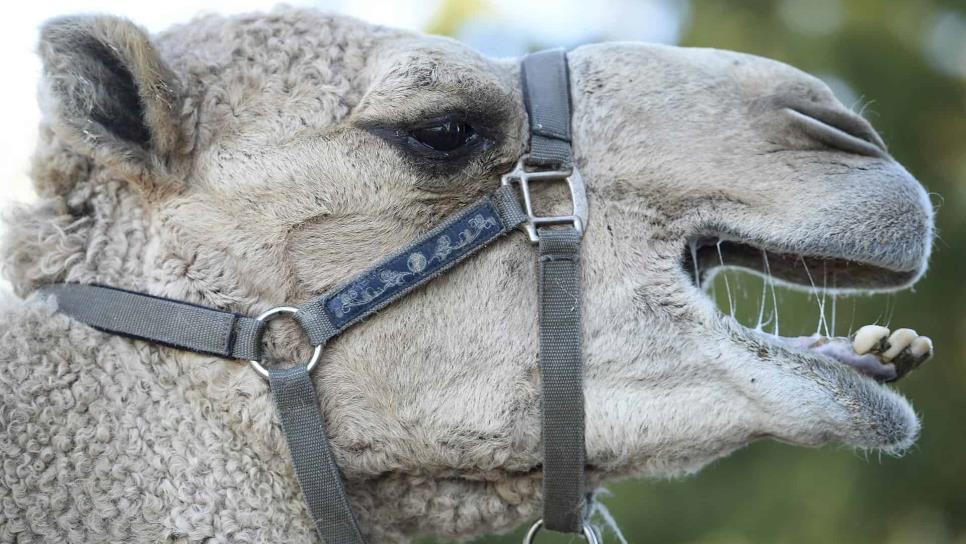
(438, 144)
(444, 137)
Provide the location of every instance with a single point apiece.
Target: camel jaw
(844, 379)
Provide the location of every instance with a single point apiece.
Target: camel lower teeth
(868, 338)
(873, 350)
(903, 348)
(921, 346)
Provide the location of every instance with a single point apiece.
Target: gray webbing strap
(170, 322)
(297, 404)
(225, 334)
(562, 403)
(449, 243)
(546, 94)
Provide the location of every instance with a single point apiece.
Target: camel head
(251, 161)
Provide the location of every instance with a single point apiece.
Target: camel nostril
(838, 129)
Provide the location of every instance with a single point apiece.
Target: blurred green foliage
(772, 493)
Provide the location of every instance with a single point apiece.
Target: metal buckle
(578, 197)
(587, 530)
(270, 315)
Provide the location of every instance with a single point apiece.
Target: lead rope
(224, 334)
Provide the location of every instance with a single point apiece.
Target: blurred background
(902, 63)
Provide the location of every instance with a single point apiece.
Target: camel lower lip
(840, 350)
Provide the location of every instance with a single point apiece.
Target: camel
(250, 161)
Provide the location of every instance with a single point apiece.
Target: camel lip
(833, 350)
(705, 256)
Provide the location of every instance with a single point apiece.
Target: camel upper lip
(704, 256)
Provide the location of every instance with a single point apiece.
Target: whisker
(821, 302)
(822, 305)
(771, 283)
(835, 300)
(764, 295)
(731, 300)
(891, 309)
(694, 261)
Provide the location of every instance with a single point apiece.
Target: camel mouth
(706, 256)
(703, 258)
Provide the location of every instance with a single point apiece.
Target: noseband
(215, 332)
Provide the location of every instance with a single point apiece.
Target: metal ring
(587, 530)
(270, 315)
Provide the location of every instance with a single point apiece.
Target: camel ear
(107, 92)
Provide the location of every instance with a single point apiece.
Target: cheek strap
(546, 93)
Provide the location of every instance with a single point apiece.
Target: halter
(215, 332)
